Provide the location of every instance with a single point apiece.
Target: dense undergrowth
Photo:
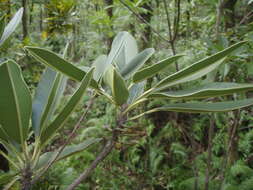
(163, 150)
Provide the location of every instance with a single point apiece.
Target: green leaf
(205, 91)
(127, 52)
(47, 96)
(198, 69)
(100, 67)
(60, 120)
(119, 90)
(202, 107)
(67, 151)
(6, 177)
(135, 91)
(2, 26)
(15, 102)
(108, 76)
(151, 71)
(11, 26)
(137, 62)
(117, 84)
(117, 45)
(55, 62)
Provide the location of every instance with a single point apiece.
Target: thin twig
(107, 149)
(105, 152)
(69, 139)
(247, 16)
(144, 21)
(177, 21)
(168, 19)
(173, 34)
(226, 157)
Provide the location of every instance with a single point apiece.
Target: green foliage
(165, 150)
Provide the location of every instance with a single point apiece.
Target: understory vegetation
(126, 95)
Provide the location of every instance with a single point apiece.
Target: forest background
(165, 150)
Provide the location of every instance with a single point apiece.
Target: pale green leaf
(47, 96)
(117, 85)
(116, 49)
(136, 63)
(67, 151)
(127, 52)
(119, 91)
(135, 91)
(60, 120)
(11, 26)
(100, 67)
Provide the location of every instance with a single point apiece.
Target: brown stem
(173, 34)
(69, 139)
(107, 149)
(25, 19)
(26, 178)
(105, 152)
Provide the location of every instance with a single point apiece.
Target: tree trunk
(26, 178)
(147, 16)
(41, 18)
(25, 19)
(109, 10)
(8, 10)
(229, 13)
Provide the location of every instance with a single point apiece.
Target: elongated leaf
(119, 90)
(205, 91)
(55, 62)
(137, 62)
(11, 26)
(151, 71)
(47, 96)
(198, 69)
(100, 67)
(15, 102)
(2, 26)
(59, 121)
(127, 52)
(117, 45)
(68, 151)
(201, 107)
(117, 84)
(108, 76)
(135, 91)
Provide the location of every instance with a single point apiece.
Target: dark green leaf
(15, 102)
(205, 91)
(151, 71)
(198, 69)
